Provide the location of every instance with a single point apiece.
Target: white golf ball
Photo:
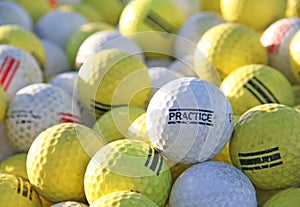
(108, 39)
(56, 59)
(13, 13)
(17, 70)
(58, 26)
(35, 108)
(213, 184)
(276, 38)
(192, 30)
(189, 120)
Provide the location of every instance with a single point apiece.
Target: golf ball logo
(26, 117)
(23, 116)
(100, 108)
(8, 70)
(191, 116)
(261, 159)
(155, 21)
(154, 161)
(68, 118)
(260, 91)
(24, 189)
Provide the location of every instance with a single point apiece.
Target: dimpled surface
(57, 160)
(80, 35)
(15, 191)
(157, 20)
(286, 198)
(69, 204)
(241, 11)
(255, 84)
(113, 78)
(292, 8)
(127, 165)
(114, 124)
(35, 108)
(295, 56)
(229, 46)
(124, 199)
(276, 38)
(19, 69)
(264, 146)
(189, 120)
(23, 39)
(15, 165)
(192, 30)
(107, 39)
(212, 184)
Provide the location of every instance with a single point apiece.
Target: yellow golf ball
(110, 10)
(124, 199)
(128, 165)
(292, 8)
(264, 145)
(3, 104)
(229, 46)
(15, 191)
(23, 39)
(57, 160)
(258, 14)
(296, 89)
(295, 56)
(256, 84)
(114, 124)
(15, 165)
(286, 198)
(152, 24)
(211, 5)
(112, 78)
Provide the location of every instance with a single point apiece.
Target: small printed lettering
(191, 116)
